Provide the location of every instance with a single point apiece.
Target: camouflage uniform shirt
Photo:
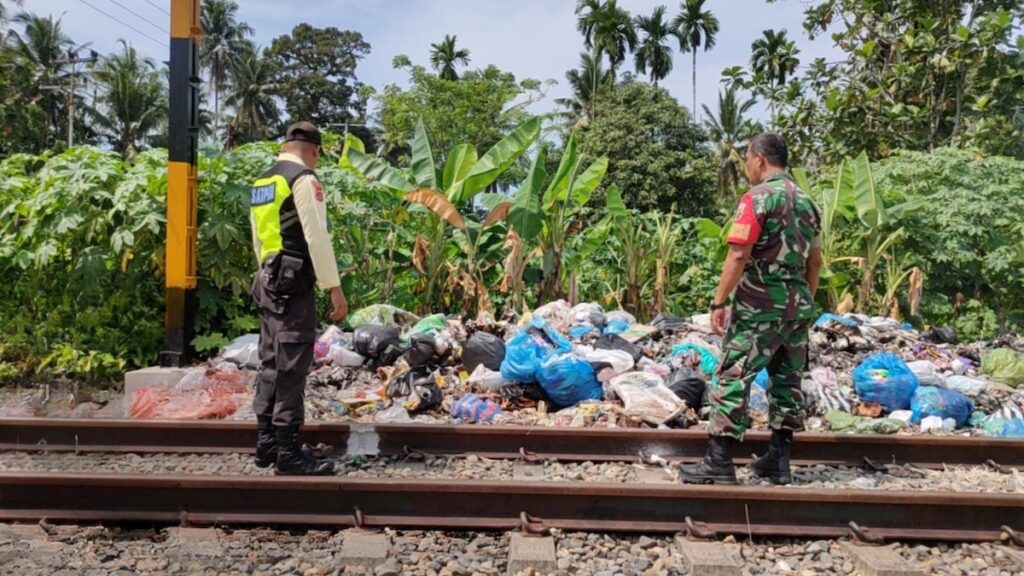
(783, 224)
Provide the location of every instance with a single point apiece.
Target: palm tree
(696, 28)
(652, 51)
(773, 59)
(607, 30)
(133, 103)
(39, 48)
(223, 36)
(444, 57)
(253, 94)
(4, 14)
(728, 129)
(587, 82)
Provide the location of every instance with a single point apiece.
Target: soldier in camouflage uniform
(773, 265)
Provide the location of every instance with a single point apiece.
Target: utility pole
(182, 184)
(73, 60)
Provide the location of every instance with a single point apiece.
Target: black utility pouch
(290, 275)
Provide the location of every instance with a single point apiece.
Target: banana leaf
(525, 216)
(497, 160)
(457, 168)
(423, 171)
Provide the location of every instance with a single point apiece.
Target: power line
(139, 16)
(123, 23)
(160, 8)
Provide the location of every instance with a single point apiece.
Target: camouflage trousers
(747, 348)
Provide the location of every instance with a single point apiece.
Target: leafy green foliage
(655, 151)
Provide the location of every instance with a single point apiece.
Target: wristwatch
(721, 306)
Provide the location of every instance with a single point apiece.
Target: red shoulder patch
(319, 190)
(745, 227)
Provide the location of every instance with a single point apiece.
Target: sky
(531, 38)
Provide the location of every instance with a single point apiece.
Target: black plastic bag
(419, 389)
(689, 386)
(483, 348)
(371, 341)
(616, 342)
(669, 323)
(941, 335)
(421, 351)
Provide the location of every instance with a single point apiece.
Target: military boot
(294, 460)
(715, 468)
(266, 442)
(774, 465)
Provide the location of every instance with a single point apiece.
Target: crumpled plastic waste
(931, 423)
(484, 379)
(588, 313)
(689, 386)
(528, 349)
(473, 409)
(616, 342)
(830, 317)
(483, 349)
(580, 331)
(934, 401)
(928, 374)
(1003, 428)
(429, 326)
(884, 378)
(243, 351)
(558, 314)
(708, 361)
(964, 385)
(616, 327)
(1004, 365)
(201, 394)
(382, 315)
(568, 379)
(417, 389)
(645, 397)
(844, 422)
(940, 335)
(619, 361)
(394, 414)
(582, 414)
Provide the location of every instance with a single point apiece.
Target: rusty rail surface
(503, 442)
(493, 505)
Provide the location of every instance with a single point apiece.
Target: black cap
(303, 132)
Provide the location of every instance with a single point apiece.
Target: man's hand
(719, 319)
(340, 304)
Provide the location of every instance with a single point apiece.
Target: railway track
(500, 442)
(534, 506)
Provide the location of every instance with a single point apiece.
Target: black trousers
(287, 332)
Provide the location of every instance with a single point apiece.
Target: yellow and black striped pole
(182, 183)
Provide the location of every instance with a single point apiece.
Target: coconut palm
(133, 103)
(696, 28)
(773, 59)
(38, 48)
(252, 94)
(653, 51)
(444, 57)
(5, 10)
(223, 36)
(607, 30)
(587, 83)
(729, 130)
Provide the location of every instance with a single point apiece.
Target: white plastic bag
(646, 397)
(928, 374)
(619, 360)
(244, 351)
(342, 356)
(965, 385)
(484, 379)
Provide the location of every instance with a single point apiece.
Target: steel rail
(492, 505)
(501, 442)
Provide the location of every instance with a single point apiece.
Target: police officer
(773, 265)
(294, 251)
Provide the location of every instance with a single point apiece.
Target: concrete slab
(654, 476)
(523, 472)
(194, 541)
(531, 552)
(879, 561)
(365, 550)
(708, 558)
(151, 376)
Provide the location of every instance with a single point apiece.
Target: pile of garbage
(581, 365)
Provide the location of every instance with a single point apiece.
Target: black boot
(775, 464)
(716, 467)
(266, 442)
(293, 459)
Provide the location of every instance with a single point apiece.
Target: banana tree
(444, 192)
(543, 215)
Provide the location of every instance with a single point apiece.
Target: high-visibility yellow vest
(274, 214)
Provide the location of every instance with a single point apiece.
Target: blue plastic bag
(580, 330)
(762, 379)
(933, 401)
(525, 352)
(887, 380)
(1003, 428)
(617, 326)
(708, 362)
(568, 380)
(828, 316)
